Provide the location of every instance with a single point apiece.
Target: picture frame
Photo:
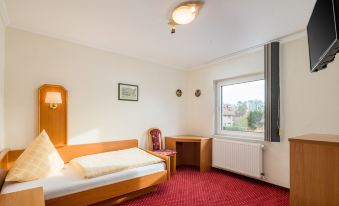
(128, 92)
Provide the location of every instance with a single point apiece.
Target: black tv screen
(322, 34)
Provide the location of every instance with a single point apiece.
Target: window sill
(238, 138)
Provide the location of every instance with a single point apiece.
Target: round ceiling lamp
(184, 13)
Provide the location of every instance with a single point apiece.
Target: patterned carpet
(189, 187)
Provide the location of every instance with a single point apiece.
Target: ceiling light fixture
(184, 13)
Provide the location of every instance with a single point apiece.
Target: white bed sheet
(69, 181)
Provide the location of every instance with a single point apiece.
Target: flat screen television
(323, 34)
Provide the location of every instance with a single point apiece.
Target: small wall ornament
(178, 93)
(197, 93)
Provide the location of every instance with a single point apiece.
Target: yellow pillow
(38, 160)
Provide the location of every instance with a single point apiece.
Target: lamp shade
(184, 14)
(53, 98)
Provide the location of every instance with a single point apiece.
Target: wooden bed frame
(105, 195)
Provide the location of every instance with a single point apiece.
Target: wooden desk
(192, 150)
(23, 198)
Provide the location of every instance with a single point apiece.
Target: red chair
(156, 144)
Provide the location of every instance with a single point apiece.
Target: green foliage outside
(248, 116)
(254, 118)
(241, 108)
(233, 128)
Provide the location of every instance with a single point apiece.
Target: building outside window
(240, 108)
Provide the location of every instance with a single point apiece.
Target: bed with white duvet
(71, 178)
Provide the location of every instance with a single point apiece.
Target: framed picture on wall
(128, 92)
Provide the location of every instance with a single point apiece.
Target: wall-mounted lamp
(53, 99)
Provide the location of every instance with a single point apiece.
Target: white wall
(91, 77)
(309, 102)
(201, 110)
(2, 81)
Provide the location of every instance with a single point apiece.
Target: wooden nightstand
(29, 197)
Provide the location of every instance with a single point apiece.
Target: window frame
(218, 103)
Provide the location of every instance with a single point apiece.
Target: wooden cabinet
(314, 167)
(23, 198)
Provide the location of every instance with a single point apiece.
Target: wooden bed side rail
(70, 152)
(3, 159)
(3, 166)
(165, 158)
(107, 192)
(67, 153)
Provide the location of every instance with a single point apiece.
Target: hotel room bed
(69, 188)
(68, 181)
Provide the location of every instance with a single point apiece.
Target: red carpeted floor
(190, 187)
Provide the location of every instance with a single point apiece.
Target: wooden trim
(3, 153)
(129, 196)
(53, 121)
(167, 161)
(316, 139)
(29, 197)
(109, 191)
(186, 138)
(70, 152)
(205, 154)
(12, 156)
(3, 166)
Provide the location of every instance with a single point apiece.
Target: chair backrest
(154, 139)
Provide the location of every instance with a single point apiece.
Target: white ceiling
(138, 28)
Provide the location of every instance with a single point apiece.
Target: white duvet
(108, 162)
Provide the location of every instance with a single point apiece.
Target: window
(241, 107)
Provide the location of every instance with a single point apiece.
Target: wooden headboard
(67, 153)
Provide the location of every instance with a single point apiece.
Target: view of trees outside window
(243, 107)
